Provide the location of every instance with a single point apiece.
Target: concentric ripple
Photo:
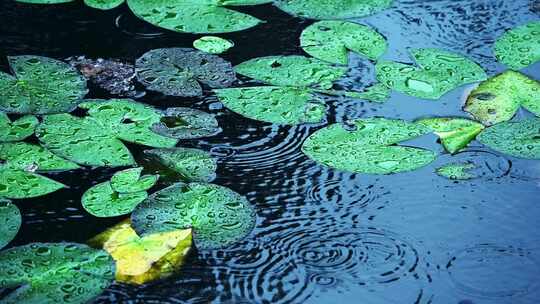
(487, 165)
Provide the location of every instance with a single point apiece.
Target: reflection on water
(322, 236)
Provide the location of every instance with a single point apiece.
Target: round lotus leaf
(212, 44)
(217, 215)
(332, 9)
(40, 85)
(10, 222)
(499, 98)
(369, 148)
(96, 139)
(17, 130)
(298, 71)
(193, 165)
(186, 123)
(457, 171)
(103, 4)
(332, 40)
(438, 72)
(520, 139)
(179, 71)
(278, 105)
(130, 180)
(103, 201)
(54, 273)
(193, 16)
(455, 133)
(519, 47)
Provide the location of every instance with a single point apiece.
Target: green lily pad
(499, 98)
(193, 165)
(519, 47)
(54, 273)
(332, 9)
(332, 40)
(456, 171)
(103, 201)
(455, 133)
(194, 16)
(95, 140)
(278, 105)
(378, 93)
(10, 222)
(217, 215)
(370, 148)
(130, 180)
(17, 130)
(438, 72)
(186, 123)
(212, 44)
(520, 139)
(296, 71)
(179, 71)
(40, 85)
(103, 4)
(21, 163)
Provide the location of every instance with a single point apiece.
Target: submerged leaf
(95, 140)
(217, 215)
(332, 40)
(520, 139)
(298, 71)
(499, 98)
(141, 260)
(332, 9)
(193, 165)
(455, 133)
(178, 71)
(278, 105)
(457, 171)
(186, 123)
(370, 147)
(103, 4)
(17, 130)
(130, 180)
(54, 273)
(194, 16)
(519, 47)
(438, 72)
(40, 85)
(10, 222)
(212, 44)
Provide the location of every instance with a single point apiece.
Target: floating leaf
(278, 105)
(95, 140)
(142, 260)
(178, 71)
(217, 215)
(376, 93)
(186, 123)
(519, 47)
(499, 98)
(455, 133)
(333, 9)
(370, 147)
(17, 130)
(212, 44)
(332, 40)
(457, 171)
(40, 85)
(130, 180)
(103, 4)
(519, 139)
(438, 72)
(298, 71)
(54, 273)
(20, 161)
(194, 16)
(193, 165)
(10, 222)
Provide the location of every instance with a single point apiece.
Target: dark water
(322, 236)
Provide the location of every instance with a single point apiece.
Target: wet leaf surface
(519, 47)
(103, 4)
(455, 133)
(16, 130)
(193, 165)
(332, 9)
(10, 222)
(186, 123)
(520, 139)
(456, 171)
(212, 44)
(130, 180)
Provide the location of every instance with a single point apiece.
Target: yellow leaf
(141, 260)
